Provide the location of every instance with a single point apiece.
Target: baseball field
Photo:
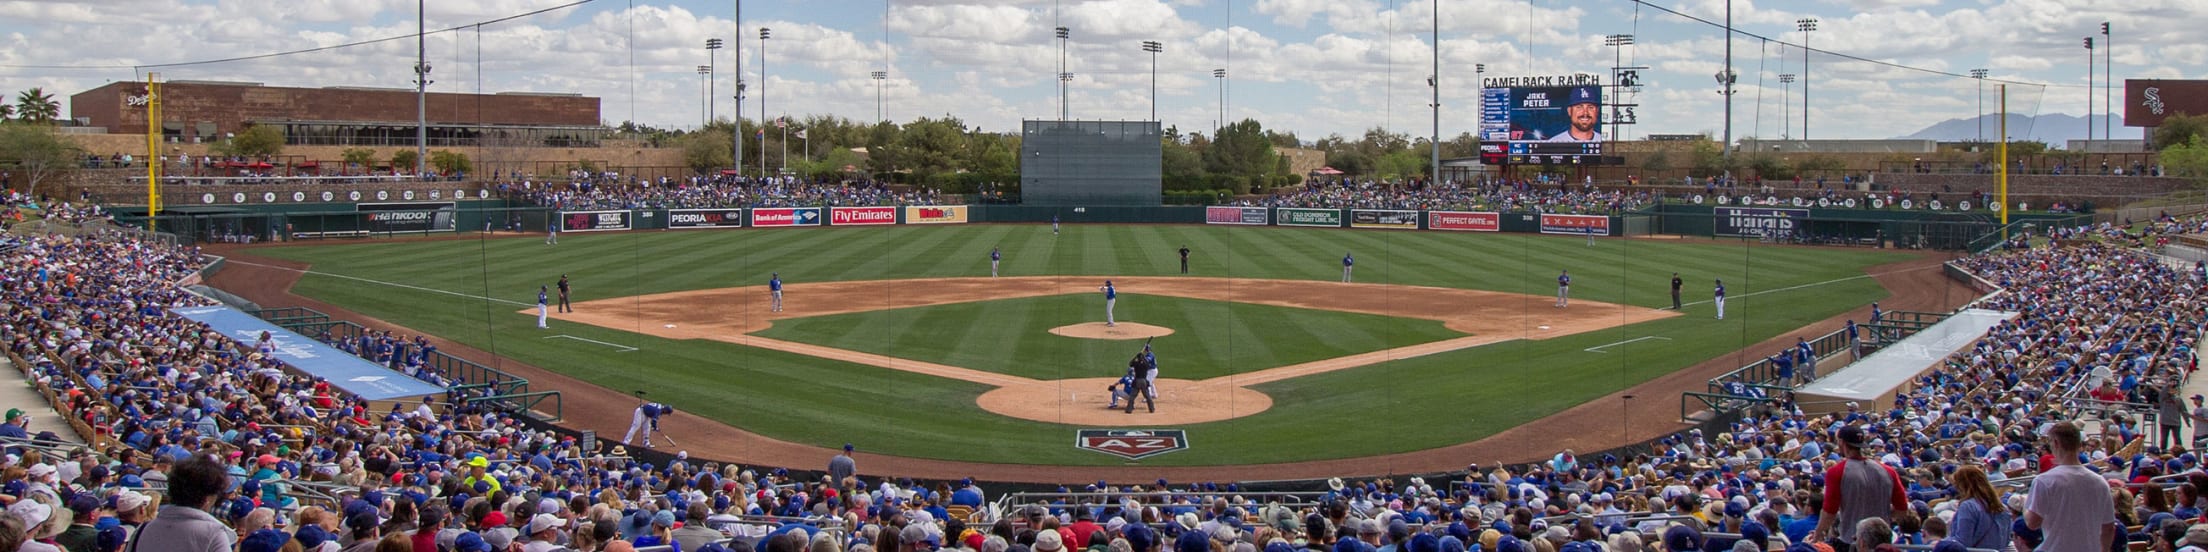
(896, 339)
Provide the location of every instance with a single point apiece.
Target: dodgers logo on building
(1131, 444)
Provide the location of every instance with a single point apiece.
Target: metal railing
(527, 403)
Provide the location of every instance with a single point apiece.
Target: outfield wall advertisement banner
(594, 221)
(1465, 221)
(765, 217)
(1576, 225)
(705, 218)
(408, 217)
(1370, 218)
(1750, 222)
(1236, 215)
(862, 216)
(1330, 218)
(935, 214)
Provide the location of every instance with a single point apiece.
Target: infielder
(543, 307)
(1563, 289)
(1184, 259)
(994, 257)
(1144, 371)
(1111, 297)
(1347, 264)
(564, 307)
(774, 288)
(646, 419)
(1720, 299)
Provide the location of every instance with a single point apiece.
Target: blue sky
(1314, 67)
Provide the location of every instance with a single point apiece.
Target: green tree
(2187, 160)
(1464, 145)
(37, 107)
(7, 111)
(254, 141)
(1241, 150)
(706, 150)
(450, 162)
(35, 153)
(1351, 161)
(403, 160)
(359, 157)
(1710, 160)
(1400, 164)
(2179, 130)
(1657, 161)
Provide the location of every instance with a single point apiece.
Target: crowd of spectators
(2026, 440)
(595, 192)
(1485, 195)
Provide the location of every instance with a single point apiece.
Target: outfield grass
(1010, 336)
(1431, 401)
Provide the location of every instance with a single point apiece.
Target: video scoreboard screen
(1542, 120)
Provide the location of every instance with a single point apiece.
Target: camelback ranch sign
(1751, 222)
(1132, 444)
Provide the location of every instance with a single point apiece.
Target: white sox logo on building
(1132, 444)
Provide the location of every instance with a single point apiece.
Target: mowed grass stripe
(1472, 392)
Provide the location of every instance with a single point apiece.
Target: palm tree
(36, 106)
(6, 111)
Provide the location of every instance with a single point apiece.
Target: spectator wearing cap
(1858, 488)
(842, 467)
(544, 533)
(431, 522)
(16, 428)
(694, 533)
(2071, 503)
(364, 529)
(39, 525)
(112, 539)
(183, 525)
(660, 532)
(265, 540)
(80, 536)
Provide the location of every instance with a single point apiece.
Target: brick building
(197, 111)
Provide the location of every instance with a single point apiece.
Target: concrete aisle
(16, 392)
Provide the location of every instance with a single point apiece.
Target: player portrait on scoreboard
(1583, 111)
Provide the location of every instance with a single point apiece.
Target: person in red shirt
(1082, 528)
(431, 522)
(1856, 488)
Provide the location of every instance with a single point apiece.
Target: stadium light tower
(2108, 79)
(2089, 91)
(712, 63)
(764, 34)
(1153, 47)
(1725, 80)
(1980, 75)
(1786, 125)
(1065, 78)
(705, 98)
(880, 78)
(1221, 74)
(421, 89)
(1806, 25)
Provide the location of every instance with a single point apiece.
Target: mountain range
(2056, 129)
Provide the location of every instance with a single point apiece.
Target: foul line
(1598, 348)
(623, 348)
(1810, 285)
(381, 282)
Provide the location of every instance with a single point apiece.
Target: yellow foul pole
(153, 149)
(2005, 205)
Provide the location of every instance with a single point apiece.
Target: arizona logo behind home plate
(1132, 444)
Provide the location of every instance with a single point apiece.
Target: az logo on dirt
(1132, 444)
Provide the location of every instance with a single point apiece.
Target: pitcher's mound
(1125, 330)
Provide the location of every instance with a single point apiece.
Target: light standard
(1221, 74)
(1064, 78)
(2089, 91)
(1806, 25)
(880, 79)
(1725, 80)
(1153, 47)
(1786, 125)
(1617, 44)
(736, 130)
(705, 75)
(764, 34)
(1980, 74)
(2108, 78)
(713, 63)
(421, 90)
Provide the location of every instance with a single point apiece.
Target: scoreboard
(1543, 121)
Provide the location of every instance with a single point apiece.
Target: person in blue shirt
(1720, 298)
(1054, 224)
(1806, 357)
(1111, 298)
(1799, 528)
(1855, 343)
(774, 288)
(995, 256)
(543, 306)
(1348, 263)
(1785, 365)
(1563, 289)
(646, 420)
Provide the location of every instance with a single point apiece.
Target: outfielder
(1144, 371)
(1054, 224)
(1111, 297)
(543, 307)
(994, 257)
(552, 230)
(646, 419)
(1720, 299)
(774, 288)
(1347, 264)
(1563, 289)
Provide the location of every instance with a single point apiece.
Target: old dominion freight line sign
(1331, 218)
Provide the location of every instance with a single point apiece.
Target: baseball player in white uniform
(1720, 299)
(544, 302)
(1563, 289)
(774, 287)
(1111, 297)
(1348, 263)
(995, 256)
(646, 420)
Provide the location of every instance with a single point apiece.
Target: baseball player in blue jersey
(1720, 299)
(544, 306)
(1590, 236)
(646, 420)
(774, 288)
(1054, 224)
(994, 257)
(1111, 297)
(1806, 357)
(1123, 390)
(552, 230)
(1563, 289)
(1348, 263)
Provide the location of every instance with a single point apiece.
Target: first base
(670, 325)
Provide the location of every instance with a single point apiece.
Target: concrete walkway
(16, 392)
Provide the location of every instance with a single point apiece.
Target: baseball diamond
(880, 322)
